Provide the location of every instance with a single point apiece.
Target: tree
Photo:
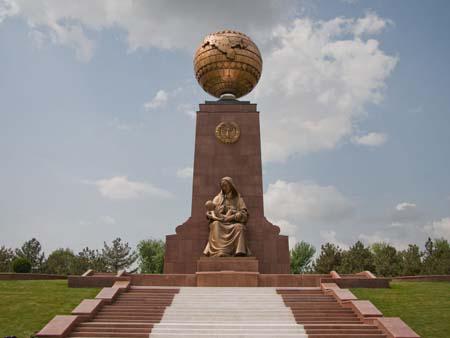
(91, 259)
(437, 257)
(386, 260)
(6, 258)
(329, 259)
(32, 251)
(21, 265)
(356, 259)
(62, 262)
(118, 256)
(301, 257)
(429, 247)
(151, 256)
(411, 260)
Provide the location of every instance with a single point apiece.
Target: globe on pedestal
(227, 64)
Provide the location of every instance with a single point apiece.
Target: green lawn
(26, 306)
(424, 306)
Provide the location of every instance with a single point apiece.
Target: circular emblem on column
(228, 132)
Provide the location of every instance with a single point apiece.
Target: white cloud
(73, 36)
(370, 139)
(370, 24)
(288, 229)
(381, 237)
(108, 220)
(322, 72)
(405, 213)
(306, 202)
(396, 224)
(158, 101)
(439, 228)
(8, 8)
(405, 206)
(84, 222)
(297, 207)
(376, 237)
(125, 126)
(120, 187)
(38, 38)
(147, 24)
(185, 172)
(188, 108)
(316, 82)
(330, 236)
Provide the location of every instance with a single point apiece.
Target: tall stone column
(241, 160)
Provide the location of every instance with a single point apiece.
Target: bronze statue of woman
(227, 215)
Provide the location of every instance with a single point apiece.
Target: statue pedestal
(227, 278)
(240, 160)
(248, 264)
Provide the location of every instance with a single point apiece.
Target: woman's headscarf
(233, 187)
(219, 200)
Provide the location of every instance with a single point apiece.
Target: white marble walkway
(227, 312)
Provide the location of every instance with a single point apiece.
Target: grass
(424, 306)
(26, 306)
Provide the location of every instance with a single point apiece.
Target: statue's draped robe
(228, 238)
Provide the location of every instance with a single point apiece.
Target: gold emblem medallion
(228, 132)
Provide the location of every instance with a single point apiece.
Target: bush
(329, 259)
(91, 259)
(6, 258)
(21, 265)
(151, 256)
(356, 259)
(32, 251)
(436, 257)
(62, 262)
(118, 256)
(387, 261)
(411, 260)
(301, 257)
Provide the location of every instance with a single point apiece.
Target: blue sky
(98, 100)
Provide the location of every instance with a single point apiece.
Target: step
(216, 326)
(236, 331)
(112, 329)
(354, 331)
(110, 334)
(114, 324)
(340, 326)
(224, 335)
(346, 335)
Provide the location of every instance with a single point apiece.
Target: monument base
(363, 279)
(249, 264)
(227, 278)
(213, 160)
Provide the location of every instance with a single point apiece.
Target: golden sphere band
(227, 62)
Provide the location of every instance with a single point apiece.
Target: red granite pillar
(241, 161)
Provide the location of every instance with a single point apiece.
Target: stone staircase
(125, 311)
(323, 316)
(227, 312)
(132, 314)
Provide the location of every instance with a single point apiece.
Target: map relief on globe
(227, 64)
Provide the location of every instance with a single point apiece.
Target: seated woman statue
(227, 215)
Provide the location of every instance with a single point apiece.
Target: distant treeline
(111, 258)
(379, 258)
